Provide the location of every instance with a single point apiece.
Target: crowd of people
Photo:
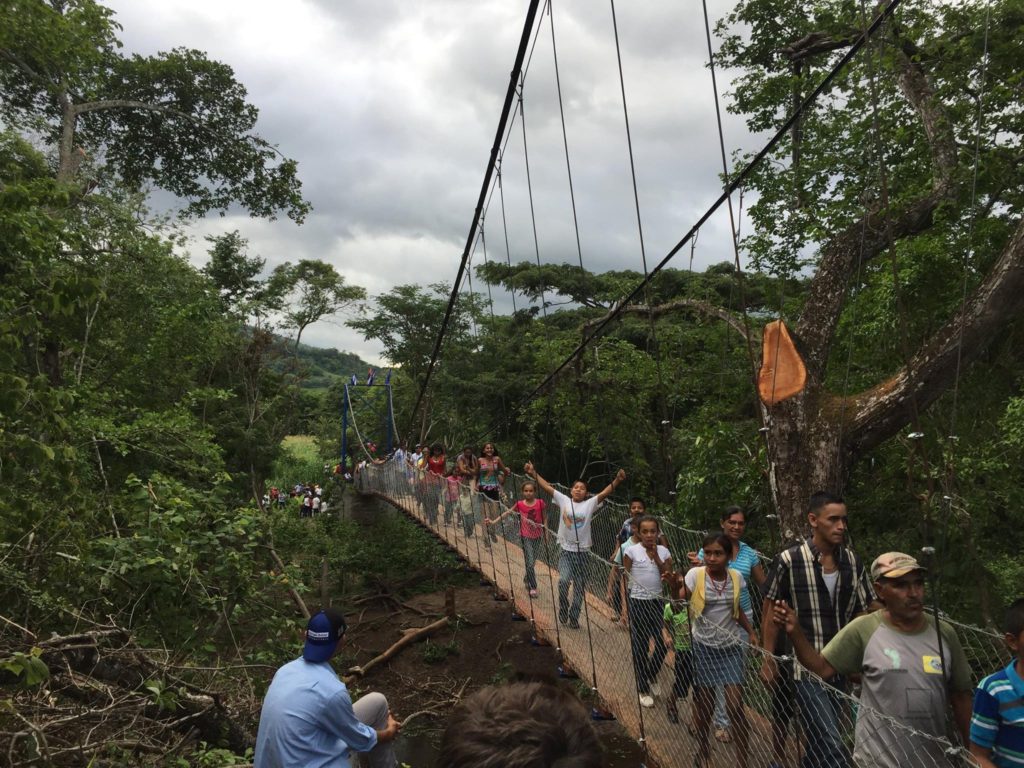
(308, 497)
(820, 603)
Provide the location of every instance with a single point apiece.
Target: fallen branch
(422, 713)
(409, 637)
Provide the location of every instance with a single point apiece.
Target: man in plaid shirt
(827, 586)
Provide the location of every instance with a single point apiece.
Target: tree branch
(877, 230)
(99, 106)
(883, 410)
(680, 305)
(815, 43)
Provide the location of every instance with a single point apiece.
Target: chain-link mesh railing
(690, 690)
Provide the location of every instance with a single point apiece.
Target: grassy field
(299, 463)
(301, 447)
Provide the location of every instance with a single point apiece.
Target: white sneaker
(655, 689)
(646, 700)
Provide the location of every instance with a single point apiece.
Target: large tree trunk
(805, 453)
(815, 436)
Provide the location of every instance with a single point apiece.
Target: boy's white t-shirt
(574, 521)
(645, 577)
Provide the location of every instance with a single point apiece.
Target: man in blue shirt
(308, 718)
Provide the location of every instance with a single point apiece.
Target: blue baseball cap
(323, 632)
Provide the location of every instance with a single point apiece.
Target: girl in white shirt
(646, 564)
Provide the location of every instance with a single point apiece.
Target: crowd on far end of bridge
(308, 498)
(839, 618)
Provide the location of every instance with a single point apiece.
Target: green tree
(177, 119)
(310, 291)
(898, 223)
(235, 274)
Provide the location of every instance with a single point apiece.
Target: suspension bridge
(600, 650)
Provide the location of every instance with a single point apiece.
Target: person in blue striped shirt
(997, 723)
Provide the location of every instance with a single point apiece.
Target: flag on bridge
(387, 379)
(369, 377)
(354, 381)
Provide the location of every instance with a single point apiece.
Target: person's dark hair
(579, 480)
(639, 521)
(492, 446)
(821, 499)
(732, 510)
(1013, 624)
(436, 448)
(521, 725)
(718, 538)
(637, 498)
(530, 483)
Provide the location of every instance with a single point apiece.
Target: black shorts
(494, 494)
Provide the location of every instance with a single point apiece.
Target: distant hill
(322, 367)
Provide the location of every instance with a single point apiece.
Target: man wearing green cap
(908, 677)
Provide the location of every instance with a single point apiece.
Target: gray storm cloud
(390, 108)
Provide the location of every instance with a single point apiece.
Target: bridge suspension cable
(506, 109)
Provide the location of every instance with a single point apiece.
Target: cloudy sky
(390, 108)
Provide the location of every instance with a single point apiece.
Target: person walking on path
(308, 717)
(646, 564)
(826, 585)
(434, 469)
(997, 722)
(719, 653)
(466, 469)
(576, 511)
(616, 574)
(491, 474)
(531, 530)
(907, 676)
(676, 615)
(745, 560)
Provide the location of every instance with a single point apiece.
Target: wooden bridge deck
(599, 651)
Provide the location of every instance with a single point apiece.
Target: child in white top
(575, 514)
(646, 564)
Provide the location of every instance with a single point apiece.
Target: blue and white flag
(354, 381)
(387, 379)
(369, 377)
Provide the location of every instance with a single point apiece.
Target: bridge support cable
(360, 402)
(734, 184)
(949, 476)
(614, 647)
(763, 412)
(504, 227)
(663, 425)
(506, 109)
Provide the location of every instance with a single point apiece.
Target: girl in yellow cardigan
(719, 652)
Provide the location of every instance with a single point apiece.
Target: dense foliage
(143, 402)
